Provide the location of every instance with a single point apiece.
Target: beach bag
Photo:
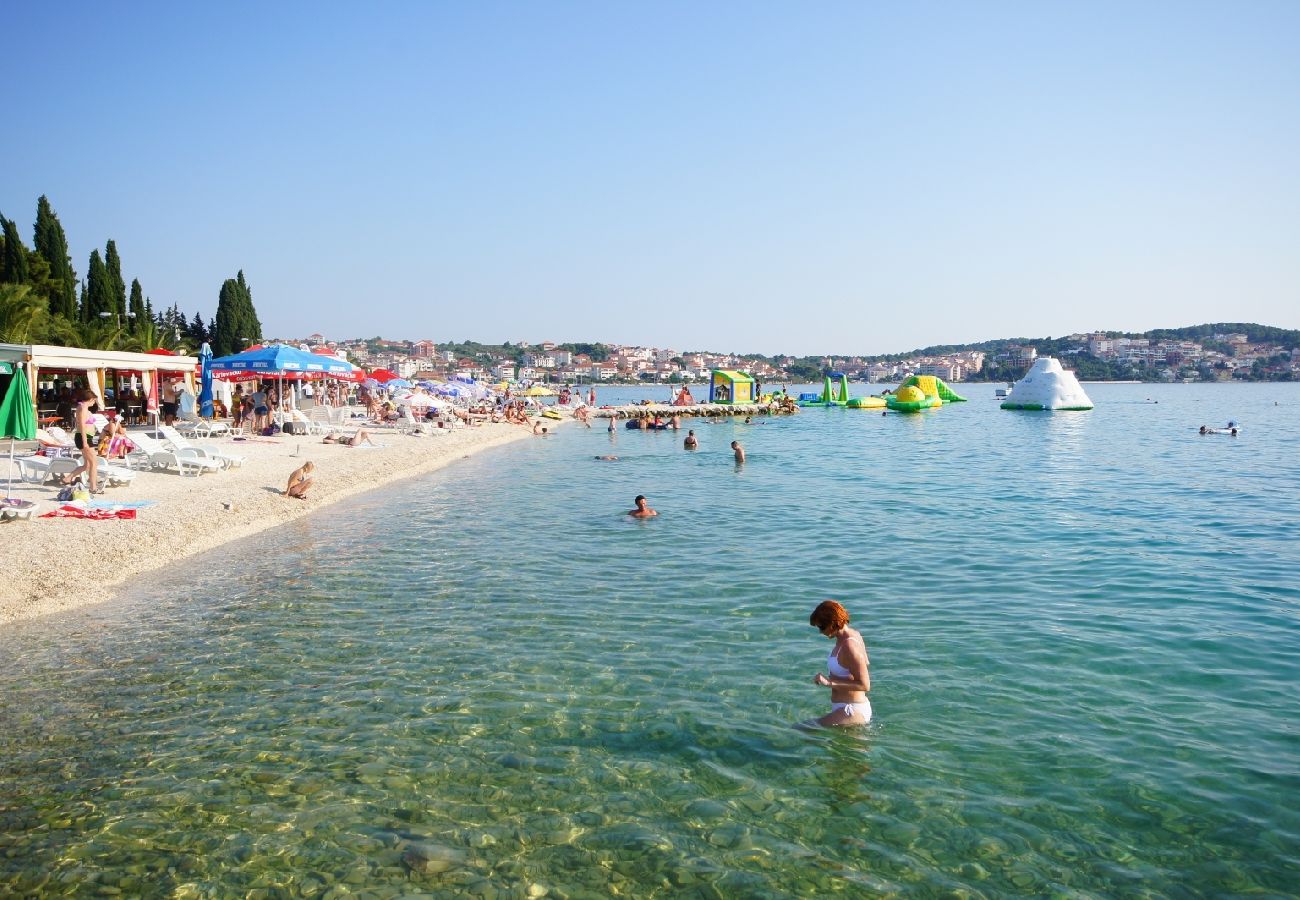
(65, 494)
(294, 428)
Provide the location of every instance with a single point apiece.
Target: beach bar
(41, 361)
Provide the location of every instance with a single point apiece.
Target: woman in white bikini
(849, 678)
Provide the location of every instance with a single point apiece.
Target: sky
(781, 178)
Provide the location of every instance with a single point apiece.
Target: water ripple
(1082, 632)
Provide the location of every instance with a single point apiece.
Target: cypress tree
(15, 259)
(113, 263)
(225, 324)
(198, 331)
(138, 313)
(235, 325)
(98, 297)
(252, 326)
(52, 244)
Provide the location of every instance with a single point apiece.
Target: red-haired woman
(849, 679)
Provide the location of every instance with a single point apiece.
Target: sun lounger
(190, 461)
(227, 460)
(41, 469)
(36, 469)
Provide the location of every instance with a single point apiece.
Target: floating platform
(667, 410)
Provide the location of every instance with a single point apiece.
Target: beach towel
(77, 512)
(122, 504)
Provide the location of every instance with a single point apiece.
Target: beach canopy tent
(729, 387)
(95, 367)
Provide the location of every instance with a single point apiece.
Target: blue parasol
(281, 359)
(205, 381)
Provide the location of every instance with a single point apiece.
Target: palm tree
(104, 334)
(148, 336)
(23, 316)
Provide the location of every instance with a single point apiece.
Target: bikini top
(833, 666)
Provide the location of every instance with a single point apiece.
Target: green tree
(52, 244)
(113, 263)
(15, 255)
(98, 297)
(235, 324)
(197, 331)
(22, 315)
(137, 314)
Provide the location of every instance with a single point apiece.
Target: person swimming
(643, 510)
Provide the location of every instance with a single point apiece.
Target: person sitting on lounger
(300, 481)
(354, 440)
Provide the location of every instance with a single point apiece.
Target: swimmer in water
(609, 458)
(643, 510)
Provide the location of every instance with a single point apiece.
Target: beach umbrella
(205, 380)
(17, 419)
(538, 390)
(397, 384)
(280, 359)
(382, 375)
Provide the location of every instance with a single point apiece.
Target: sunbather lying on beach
(349, 440)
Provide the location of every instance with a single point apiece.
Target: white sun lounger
(190, 461)
(227, 460)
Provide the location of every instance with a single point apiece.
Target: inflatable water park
(917, 393)
(1047, 386)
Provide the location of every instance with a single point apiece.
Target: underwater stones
(707, 809)
(730, 836)
(425, 858)
(371, 772)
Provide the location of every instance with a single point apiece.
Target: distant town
(1201, 353)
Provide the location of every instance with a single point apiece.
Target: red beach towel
(76, 512)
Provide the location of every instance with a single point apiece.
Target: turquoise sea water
(488, 682)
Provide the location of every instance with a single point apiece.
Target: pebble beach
(56, 564)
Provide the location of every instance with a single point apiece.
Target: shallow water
(488, 681)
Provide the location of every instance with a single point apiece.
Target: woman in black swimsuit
(84, 438)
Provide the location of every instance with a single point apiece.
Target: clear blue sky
(861, 177)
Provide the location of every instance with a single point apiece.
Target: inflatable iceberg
(1047, 386)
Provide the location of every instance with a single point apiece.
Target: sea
(489, 681)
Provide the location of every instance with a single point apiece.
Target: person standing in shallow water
(738, 450)
(849, 678)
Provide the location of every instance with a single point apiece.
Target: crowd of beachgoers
(191, 482)
(97, 482)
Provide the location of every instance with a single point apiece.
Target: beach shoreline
(55, 565)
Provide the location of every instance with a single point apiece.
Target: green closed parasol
(17, 420)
